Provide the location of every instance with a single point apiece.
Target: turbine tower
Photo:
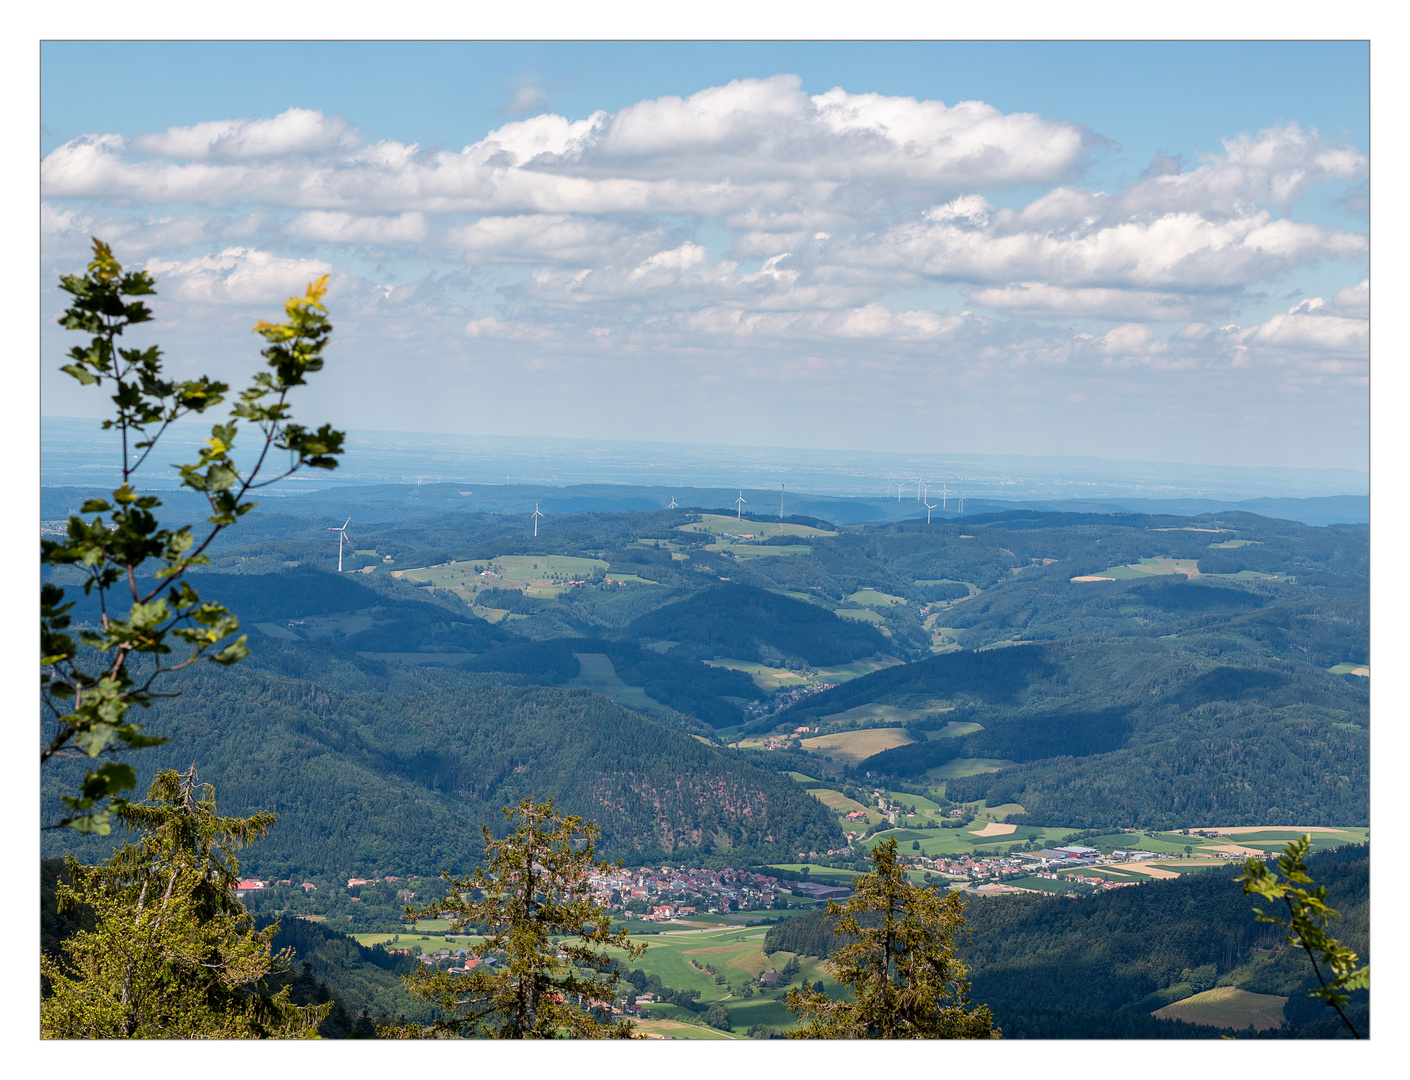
(537, 515)
(944, 495)
(674, 504)
(929, 506)
(342, 531)
(739, 506)
(961, 506)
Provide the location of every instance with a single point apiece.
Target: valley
(1035, 705)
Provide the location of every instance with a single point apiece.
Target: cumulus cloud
(839, 210)
(755, 143)
(236, 275)
(294, 131)
(1183, 250)
(1275, 166)
(1352, 301)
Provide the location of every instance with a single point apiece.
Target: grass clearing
(874, 598)
(860, 614)
(765, 677)
(1228, 1007)
(598, 675)
(274, 630)
(1364, 670)
(890, 714)
(758, 551)
(749, 528)
(841, 673)
(960, 767)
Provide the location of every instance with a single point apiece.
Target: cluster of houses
(781, 701)
(666, 891)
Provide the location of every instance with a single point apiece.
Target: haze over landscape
(787, 457)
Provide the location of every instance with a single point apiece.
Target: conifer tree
(532, 890)
(172, 953)
(900, 967)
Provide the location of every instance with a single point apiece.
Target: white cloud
(1175, 251)
(1276, 166)
(235, 276)
(559, 239)
(509, 331)
(294, 131)
(1352, 301)
(755, 145)
(874, 322)
(334, 227)
(1040, 299)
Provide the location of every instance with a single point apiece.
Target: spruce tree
(533, 888)
(172, 953)
(900, 967)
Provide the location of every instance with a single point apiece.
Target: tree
(88, 695)
(533, 887)
(904, 979)
(172, 953)
(1308, 916)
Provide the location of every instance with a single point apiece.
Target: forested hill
(376, 784)
(1097, 968)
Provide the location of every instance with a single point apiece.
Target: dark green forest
(386, 722)
(1051, 968)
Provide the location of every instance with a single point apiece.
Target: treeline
(748, 623)
(688, 686)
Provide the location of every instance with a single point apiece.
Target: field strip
(1149, 870)
(1240, 829)
(994, 828)
(1235, 849)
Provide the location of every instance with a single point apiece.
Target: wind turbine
(674, 504)
(961, 506)
(342, 531)
(739, 507)
(537, 515)
(780, 506)
(929, 506)
(944, 495)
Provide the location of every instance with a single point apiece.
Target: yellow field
(674, 1029)
(850, 747)
(1228, 1007)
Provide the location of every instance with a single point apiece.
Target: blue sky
(1139, 251)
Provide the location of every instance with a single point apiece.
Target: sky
(1139, 251)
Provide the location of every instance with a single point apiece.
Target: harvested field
(994, 828)
(1228, 1007)
(850, 747)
